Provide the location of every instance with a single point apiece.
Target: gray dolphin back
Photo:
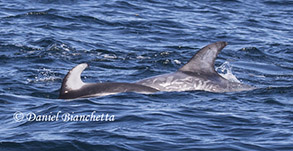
(198, 74)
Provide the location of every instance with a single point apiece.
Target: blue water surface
(124, 41)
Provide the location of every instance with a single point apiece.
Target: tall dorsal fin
(204, 60)
(72, 80)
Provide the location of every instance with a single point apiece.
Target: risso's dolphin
(198, 74)
(73, 87)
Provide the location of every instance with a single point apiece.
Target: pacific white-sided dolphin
(73, 87)
(198, 74)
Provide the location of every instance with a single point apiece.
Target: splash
(225, 70)
(44, 75)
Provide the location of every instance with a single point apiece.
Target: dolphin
(198, 74)
(73, 87)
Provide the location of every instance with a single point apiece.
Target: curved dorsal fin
(204, 60)
(72, 80)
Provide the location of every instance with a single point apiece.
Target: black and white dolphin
(198, 74)
(73, 87)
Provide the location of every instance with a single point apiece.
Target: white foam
(177, 61)
(110, 56)
(225, 70)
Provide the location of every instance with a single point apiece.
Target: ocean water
(124, 41)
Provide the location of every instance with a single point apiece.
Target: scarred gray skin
(198, 74)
